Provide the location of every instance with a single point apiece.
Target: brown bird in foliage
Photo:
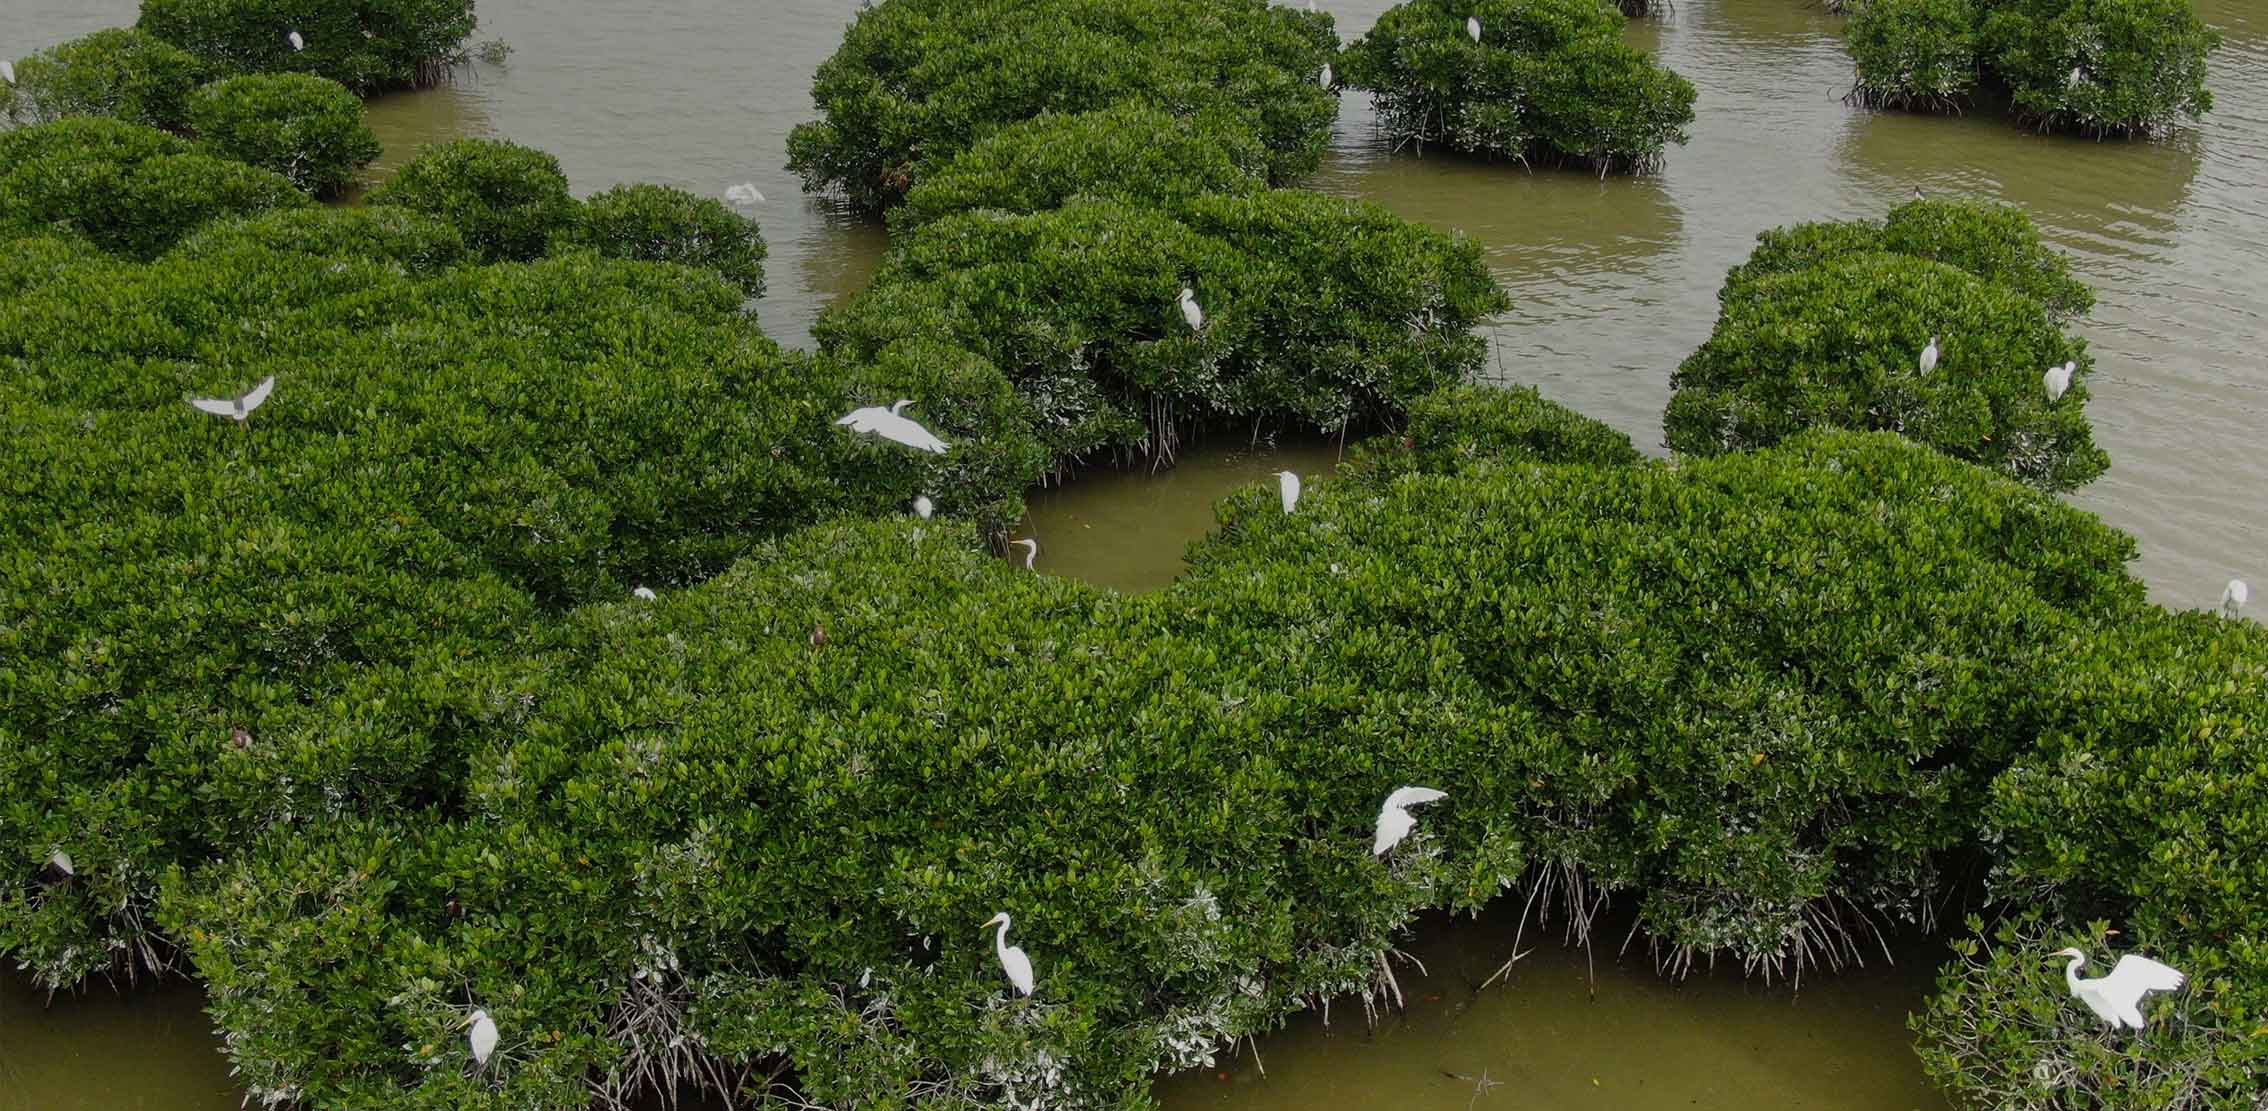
(818, 636)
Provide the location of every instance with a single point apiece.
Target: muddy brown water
(1613, 282)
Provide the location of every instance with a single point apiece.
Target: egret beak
(2063, 954)
(991, 922)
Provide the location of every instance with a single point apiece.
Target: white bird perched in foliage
(744, 193)
(2058, 379)
(923, 507)
(1394, 821)
(643, 594)
(1189, 310)
(2234, 596)
(887, 424)
(2117, 998)
(483, 1036)
(1472, 27)
(1918, 195)
(61, 862)
(237, 408)
(1287, 484)
(1012, 959)
(1326, 78)
(1031, 551)
(1929, 356)
(7, 71)
(296, 42)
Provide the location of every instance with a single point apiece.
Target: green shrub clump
(918, 81)
(1826, 323)
(508, 200)
(659, 223)
(308, 129)
(1319, 311)
(128, 189)
(1473, 427)
(1134, 153)
(2100, 67)
(120, 72)
(1550, 81)
(1916, 54)
(366, 45)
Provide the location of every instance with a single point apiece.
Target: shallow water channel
(1613, 282)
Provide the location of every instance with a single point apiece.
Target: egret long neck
(2071, 971)
(1000, 940)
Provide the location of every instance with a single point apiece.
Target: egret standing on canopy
(2058, 379)
(7, 71)
(483, 1037)
(1929, 357)
(237, 408)
(297, 43)
(923, 507)
(1287, 484)
(2117, 998)
(1012, 958)
(1472, 27)
(2234, 596)
(887, 424)
(1189, 310)
(1394, 821)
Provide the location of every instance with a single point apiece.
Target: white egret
(1929, 357)
(887, 424)
(1472, 27)
(923, 507)
(1189, 310)
(1012, 959)
(1326, 79)
(2117, 998)
(483, 1036)
(2058, 379)
(61, 863)
(1287, 484)
(237, 408)
(2075, 77)
(744, 193)
(7, 71)
(643, 594)
(1031, 551)
(2234, 596)
(1394, 821)
(296, 42)
(1918, 194)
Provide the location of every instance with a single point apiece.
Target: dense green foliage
(1913, 53)
(121, 73)
(128, 189)
(2100, 66)
(308, 129)
(1134, 153)
(660, 223)
(1480, 427)
(2095, 67)
(918, 81)
(508, 200)
(1319, 311)
(1825, 324)
(1550, 81)
(366, 45)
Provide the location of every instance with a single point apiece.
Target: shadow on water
(148, 1049)
(1566, 1031)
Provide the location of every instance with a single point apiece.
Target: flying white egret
(1031, 551)
(61, 862)
(1394, 821)
(1012, 958)
(1472, 27)
(2234, 596)
(744, 193)
(2117, 998)
(7, 71)
(923, 507)
(2058, 379)
(296, 42)
(643, 594)
(237, 408)
(1929, 357)
(1189, 310)
(1287, 483)
(483, 1036)
(887, 424)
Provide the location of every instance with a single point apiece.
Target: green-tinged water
(1613, 282)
